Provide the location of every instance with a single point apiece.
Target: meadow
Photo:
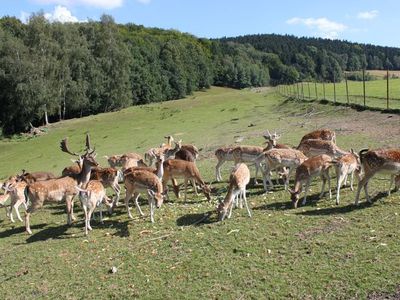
(375, 91)
(317, 251)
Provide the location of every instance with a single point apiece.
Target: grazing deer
(312, 167)
(320, 134)
(92, 196)
(317, 147)
(141, 180)
(344, 166)
(385, 161)
(176, 168)
(64, 188)
(118, 160)
(239, 178)
(16, 190)
(278, 159)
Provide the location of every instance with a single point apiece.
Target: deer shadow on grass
(19, 229)
(50, 233)
(197, 219)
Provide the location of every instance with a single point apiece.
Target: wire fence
(381, 93)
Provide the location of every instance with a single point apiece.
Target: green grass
(375, 91)
(317, 251)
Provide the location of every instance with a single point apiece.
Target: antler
(88, 145)
(64, 147)
(267, 135)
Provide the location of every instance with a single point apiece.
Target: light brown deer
(152, 153)
(118, 160)
(30, 177)
(238, 180)
(320, 134)
(3, 199)
(312, 167)
(109, 177)
(248, 154)
(317, 147)
(176, 168)
(272, 141)
(223, 154)
(15, 189)
(278, 159)
(139, 181)
(56, 190)
(93, 195)
(346, 165)
(385, 161)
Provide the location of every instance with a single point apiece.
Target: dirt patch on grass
(328, 227)
(384, 295)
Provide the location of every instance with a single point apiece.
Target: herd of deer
(316, 153)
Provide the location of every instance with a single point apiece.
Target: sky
(364, 21)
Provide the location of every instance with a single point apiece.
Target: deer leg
(16, 207)
(185, 187)
(245, 201)
(151, 205)
(289, 172)
(136, 196)
(363, 184)
(90, 212)
(10, 211)
(218, 170)
(305, 191)
(68, 201)
(176, 188)
(352, 181)
(128, 196)
(99, 204)
(257, 166)
(340, 179)
(87, 221)
(391, 183)
(323, 186)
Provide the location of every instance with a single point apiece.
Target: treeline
(321, 59)
(53, 71)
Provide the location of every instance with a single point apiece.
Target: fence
(381, 93)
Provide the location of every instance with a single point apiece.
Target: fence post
(298, 92)
(334, 89)
(387, 88)
(347, 88)
(308, 85)
(316, 92)
(302, 91)
(363, 78)
(323, 87)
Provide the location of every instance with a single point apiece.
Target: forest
(54, 71)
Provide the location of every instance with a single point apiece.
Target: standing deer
(377, 161)
(320, 134)
(92, 196)
(239, 178)
(317, 147)
(138, 181)
(175, 168)
(64, 188)
(344, 166)
(312, 167)
(15, 188)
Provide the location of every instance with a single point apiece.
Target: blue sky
(365, 21)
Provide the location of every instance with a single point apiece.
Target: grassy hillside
(317, 251)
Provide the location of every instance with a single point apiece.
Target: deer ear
(151, 193)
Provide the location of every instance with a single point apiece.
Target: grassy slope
(375, 91)
(320, 250)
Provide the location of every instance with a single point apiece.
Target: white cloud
(61, 14)
(144, 1)
(368, 15)
(325, 28)
(107, 4)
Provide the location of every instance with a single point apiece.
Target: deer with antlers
(385, 161)
(238, 180)
(64, 188)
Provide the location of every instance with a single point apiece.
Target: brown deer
(279, 159)
(223, 154)
(377, 161)
(320, 134)
(346, 165)
(239, 178)
(109, 177)
(64, 188)
(93, 195)
(138, 181)
(271, 141)
(30, 177)
(176, 168)
(15, 188)
(312, 167)
(317, 147)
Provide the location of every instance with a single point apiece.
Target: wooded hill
(76, 69)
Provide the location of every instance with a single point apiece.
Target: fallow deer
(109, 177)
(15, 187)
(118, 160)
(320, 134)
(64, 188)
(93, 195)
(248, 154)
(3, 199)
(175, 168)
(271, 141)
(138, 181)
(278, 159)
(239, 178)
(223, 154)
(30, 177)
(152, 153)
(385, 161)
(344, 166)
(312, 167)
(317, 147)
